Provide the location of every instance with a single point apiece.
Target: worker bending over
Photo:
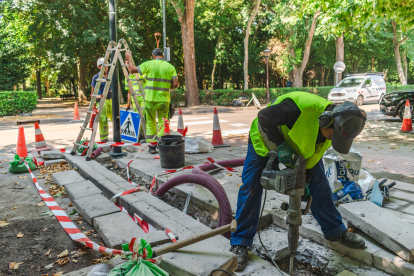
(160, 78)
(107, 109)
(307, 125)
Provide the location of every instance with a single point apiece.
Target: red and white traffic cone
(170, 235)
(166, 127)
(407, 124)
(180, 124)
(217, 140)
(40, 142)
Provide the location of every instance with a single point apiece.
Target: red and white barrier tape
(222, 167)
(70, 228)
(137, 189)
(170, 234)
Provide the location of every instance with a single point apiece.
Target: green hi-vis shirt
(304, 133)
(135, 85)
(160, 75)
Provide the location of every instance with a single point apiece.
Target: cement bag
(366, 181)
(18, 166)
(352, 162)
(197, 145)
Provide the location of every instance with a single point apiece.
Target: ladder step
(122, 50)
(86, 128)
(91, 112)
(136, 94)
(103, 80)
(108, 64)
(97, 96)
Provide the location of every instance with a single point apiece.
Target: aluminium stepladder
(112, 46)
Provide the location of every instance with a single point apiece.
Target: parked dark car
(393, 104)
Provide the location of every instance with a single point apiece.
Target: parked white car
(359, 88)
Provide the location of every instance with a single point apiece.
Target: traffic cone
(166, 127)
(21, 149)
(407, 125)
(217, 140)
(40, 142)
(76, 113)
(180, 125)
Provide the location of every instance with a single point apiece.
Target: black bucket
(172, 155)
(171, 139)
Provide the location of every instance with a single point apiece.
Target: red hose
(200, 177)
(96, 152)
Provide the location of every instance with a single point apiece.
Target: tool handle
(175, 246)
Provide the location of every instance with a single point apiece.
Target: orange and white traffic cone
(21, 148)
(407, 125)
(166, 127)
(180, 124)
(40, 142)
(76, 116)
(217, 140)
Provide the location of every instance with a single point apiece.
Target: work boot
(152, 149)
(241, 253)
(348, 239)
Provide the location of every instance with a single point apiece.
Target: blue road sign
(129, 126)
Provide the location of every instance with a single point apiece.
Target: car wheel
(360, 100)
(401, 111)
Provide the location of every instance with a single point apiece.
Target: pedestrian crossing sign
(129, 126)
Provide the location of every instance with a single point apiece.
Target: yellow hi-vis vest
(159, 77)
(302, 137)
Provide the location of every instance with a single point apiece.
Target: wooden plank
(385, 227)
(24, 122)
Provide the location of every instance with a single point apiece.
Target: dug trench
(311, 258)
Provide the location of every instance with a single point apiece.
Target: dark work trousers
(250, 198)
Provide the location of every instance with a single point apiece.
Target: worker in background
(140, 99)
(107, 109)
(160, 78)
(289, 83)
(307, 125)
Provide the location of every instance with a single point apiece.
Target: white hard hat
(100, 61)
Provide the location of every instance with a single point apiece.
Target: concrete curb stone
(66, 177)
(53, 162)
(81, 189)
(93, 206)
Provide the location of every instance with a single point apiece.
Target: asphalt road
(234, 124)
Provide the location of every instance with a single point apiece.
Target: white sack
(197, 145)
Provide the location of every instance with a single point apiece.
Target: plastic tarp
(197, 145)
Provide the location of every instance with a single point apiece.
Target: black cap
(348, 124)
(157, 52)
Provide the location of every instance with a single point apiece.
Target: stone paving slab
(51, 154)
(103, 158)
(400, 194)
(386, 228)
(93, 206)
(81, 189)
(53, 162)
(66, 177)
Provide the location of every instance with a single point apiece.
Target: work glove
(128, 108)
(306, 196)
(285, 154)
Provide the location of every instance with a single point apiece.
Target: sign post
(339, 67)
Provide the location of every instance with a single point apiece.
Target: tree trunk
(298, 70)
(405, 64)
(323, 69)
(220, 78)
(47, 85)
(38, 82)
(327, 76)
(81, 65)
(186, 19)
(215, 62)
(72, 80)
(246, 46)
(120, 96)
(340, 52)
(396, 46)
(24, 85)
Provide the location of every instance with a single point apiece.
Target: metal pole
(116, 124)
(267, 80)
(164, 29)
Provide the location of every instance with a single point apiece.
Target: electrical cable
(221, 270)
(260, 239)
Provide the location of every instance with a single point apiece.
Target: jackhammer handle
(183, 243)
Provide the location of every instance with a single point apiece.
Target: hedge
(17, 102)
(227, 96)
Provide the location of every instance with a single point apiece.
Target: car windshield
(350, 82)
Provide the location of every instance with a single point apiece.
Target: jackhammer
(290, 182)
